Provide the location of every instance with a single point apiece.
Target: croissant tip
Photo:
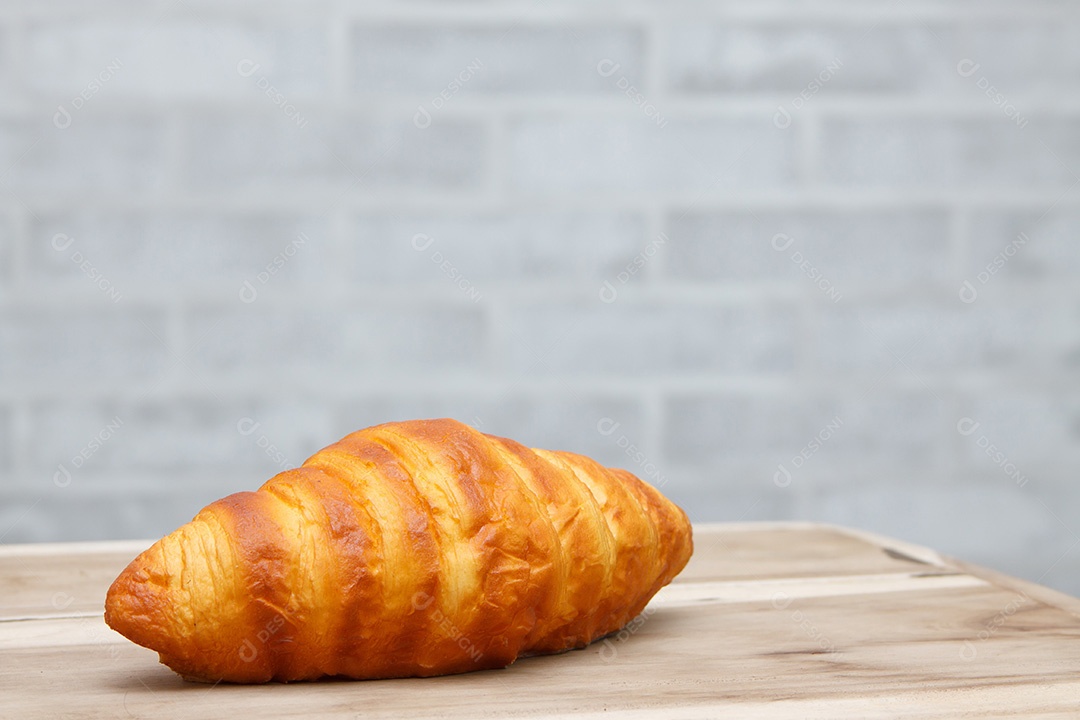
(135, 605)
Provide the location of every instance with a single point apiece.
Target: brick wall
(787, 260)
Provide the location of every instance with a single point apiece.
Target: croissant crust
(406, 549)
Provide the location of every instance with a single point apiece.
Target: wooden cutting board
(768, 621)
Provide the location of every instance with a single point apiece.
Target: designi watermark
(968, 292)
(61, 243)
(247, 68)
(781, 242)
(609, 292)
(249, 293)
(781, 601)
(423, 601)
(967, 427)
(421, 243)
(422, 117)
(607, 426)
(782, 476)
(607, 68)
(967, 68)
(782, 117)
(248, 426)
(248, 650)
(62, 477)
(62, 117)
(968, 651)
(609, 645)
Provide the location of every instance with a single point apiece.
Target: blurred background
(784, 260)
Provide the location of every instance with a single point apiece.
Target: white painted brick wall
(493, 249)
(227, 154)
(724, 57)
(535, 58)
(683, 239)
(64, 346)
(890, 431)
(184, 59)
(950, 152)
(635, 338)
(6, 441)
(151, 249)
(7, 241)
(114, 154)
(1014, 334)
(565, 419)
(348, 341)
(853, 248)
(1051, 252)
(607, 155)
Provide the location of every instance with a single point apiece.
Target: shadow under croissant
(606, 648)
(162, 679)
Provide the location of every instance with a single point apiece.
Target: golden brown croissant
(406, 549)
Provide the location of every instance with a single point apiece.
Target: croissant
(406, 549)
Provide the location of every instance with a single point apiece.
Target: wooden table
(768, 621)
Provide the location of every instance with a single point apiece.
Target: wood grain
(770, 621)
(60, 580)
